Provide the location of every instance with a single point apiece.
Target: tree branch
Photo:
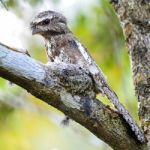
(135, 18)
(68, 88)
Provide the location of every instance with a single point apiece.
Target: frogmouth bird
(63, 46)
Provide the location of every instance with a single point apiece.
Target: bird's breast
(66, 49)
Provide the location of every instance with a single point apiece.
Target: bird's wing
(103, 87)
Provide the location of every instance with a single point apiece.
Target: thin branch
(68, 88)
(4, 4)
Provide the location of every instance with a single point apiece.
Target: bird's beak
(33, 28)
(34, 32)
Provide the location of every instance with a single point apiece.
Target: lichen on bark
(135, 20)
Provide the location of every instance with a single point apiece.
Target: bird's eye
(45, 22)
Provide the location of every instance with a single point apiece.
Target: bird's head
(49, 23)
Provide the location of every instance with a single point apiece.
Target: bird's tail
(103, 87)
(111, 95)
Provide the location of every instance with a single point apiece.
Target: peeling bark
(135, 20)
(70, 89)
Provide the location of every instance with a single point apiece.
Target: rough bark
(135, 20)
(68, 88)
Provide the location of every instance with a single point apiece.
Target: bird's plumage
(62, 46)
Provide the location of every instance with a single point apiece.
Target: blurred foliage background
(27, 123)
